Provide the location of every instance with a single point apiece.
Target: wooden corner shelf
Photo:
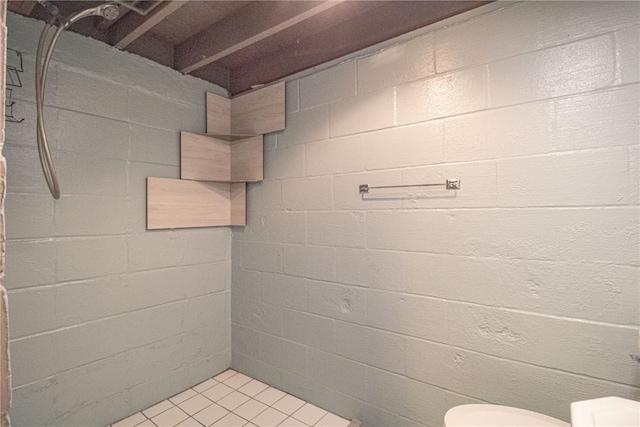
(209, 158)
(215, 167)
(180, 203)
(255, 113)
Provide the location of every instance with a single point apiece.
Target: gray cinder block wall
(520, 289)
(106, 318)
(5, 378)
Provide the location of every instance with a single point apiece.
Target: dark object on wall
(14, 68)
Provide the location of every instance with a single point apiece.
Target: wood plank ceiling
(241, 44)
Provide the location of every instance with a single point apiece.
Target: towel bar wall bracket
(449, 184)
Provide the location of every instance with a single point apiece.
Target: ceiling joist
(247, 26)
(238, 44)
(133, 26)
(21, 7)
(343, 38)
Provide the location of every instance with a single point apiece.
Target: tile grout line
(250, 398)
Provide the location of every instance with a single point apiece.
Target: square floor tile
(225, 375)
(195, 404)
(170, 418)
(250, 409)
(210, 414)
(237, 381)
(292, 422)
(233, 400)
(217, 392)
(288, 404)
(157, 409)
(210, 402)
(230, 420)
(253, 387)
(309, 414)
(181, 397)
(131, 421)
(270, 396)
(189, 422)
(205, 385)
(269, 418)
(331, 420)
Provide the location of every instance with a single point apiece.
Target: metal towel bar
(450, 184)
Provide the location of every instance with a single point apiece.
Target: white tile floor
(232, 399)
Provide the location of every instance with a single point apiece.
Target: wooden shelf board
(204, 158)
(247, 159)
(207, 158)
(231, 138)
(239, 204)
(260, 111)
(178, 203)
(254, 113)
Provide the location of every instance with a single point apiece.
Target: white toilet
(486, 415)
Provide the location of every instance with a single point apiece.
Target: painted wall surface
(106, 318)
(519, 289)
(5, 378)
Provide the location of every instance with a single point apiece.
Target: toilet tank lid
(485, 415)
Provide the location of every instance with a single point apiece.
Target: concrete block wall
(5, 377)
(106, 317)
(520, 289)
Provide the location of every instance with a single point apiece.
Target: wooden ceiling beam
(391, 19)
(215, 74)
(347, 11)
(154, 49)
(243, 28)
(133, 26)
(22, 7)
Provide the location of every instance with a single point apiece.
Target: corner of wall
(5, 377)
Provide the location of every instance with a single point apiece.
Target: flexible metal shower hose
(46, 161)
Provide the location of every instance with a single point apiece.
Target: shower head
(107, 10)
(110, 11)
